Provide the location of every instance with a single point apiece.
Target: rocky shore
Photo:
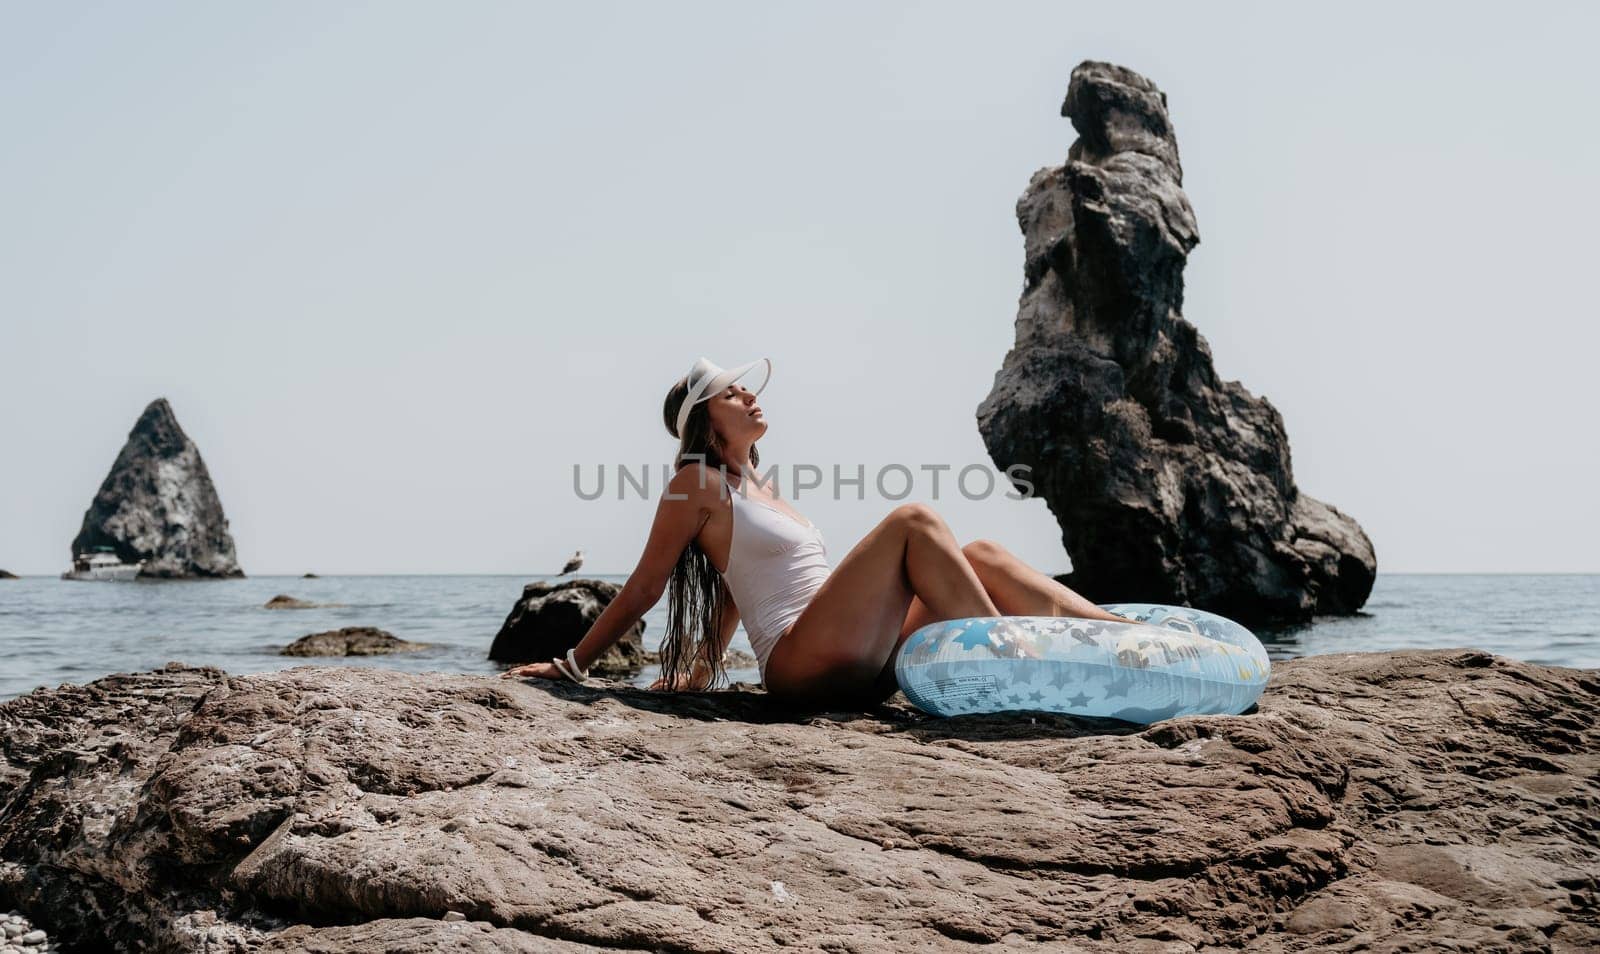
(1389, 801)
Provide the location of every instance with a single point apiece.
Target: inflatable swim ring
(1166, 661)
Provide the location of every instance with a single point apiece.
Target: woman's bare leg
(1016, 588)
(836, 649)
(1020, 590)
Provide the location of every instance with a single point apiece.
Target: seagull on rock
(573, 564)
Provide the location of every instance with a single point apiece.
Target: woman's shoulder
(696, 481)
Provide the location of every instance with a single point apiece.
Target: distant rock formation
(1412, 801)
(8, 575)
(551, 618)
(1170, 485)
(158, 505)
(309, 576)
(351, 641)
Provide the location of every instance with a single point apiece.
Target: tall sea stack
(1170, 485)
(158, 505)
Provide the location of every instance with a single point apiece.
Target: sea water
(54, 631)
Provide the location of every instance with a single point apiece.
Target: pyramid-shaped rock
(158, 505)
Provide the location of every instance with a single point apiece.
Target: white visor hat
(706, 380)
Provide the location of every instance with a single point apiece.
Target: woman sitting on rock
(726, 549)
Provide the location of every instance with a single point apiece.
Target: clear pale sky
(398, 267)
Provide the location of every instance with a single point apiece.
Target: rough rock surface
(1398, 801)
(158, 505)
(550, 618)
(1170, 485)
(351, 641)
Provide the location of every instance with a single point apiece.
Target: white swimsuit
(775, 566)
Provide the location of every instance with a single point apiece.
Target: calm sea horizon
(55, 631)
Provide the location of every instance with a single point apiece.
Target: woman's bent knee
(985, 553)
(916, 515)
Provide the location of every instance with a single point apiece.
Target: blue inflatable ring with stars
(1166, 661)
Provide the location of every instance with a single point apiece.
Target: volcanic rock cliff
(158, 505)
(1170, 485)
(1378, 801)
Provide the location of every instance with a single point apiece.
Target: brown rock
(416, 936)
(8, 575)
(351, 641)
(285, 601)
(1385, 801)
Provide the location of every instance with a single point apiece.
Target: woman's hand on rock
(539, 670)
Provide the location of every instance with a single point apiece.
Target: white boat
(102, 564)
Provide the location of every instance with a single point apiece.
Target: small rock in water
(285, 601)
(551, 617)
(351, 641)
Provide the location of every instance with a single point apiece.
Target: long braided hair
(695, 589)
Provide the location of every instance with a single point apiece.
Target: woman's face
(736, 417)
